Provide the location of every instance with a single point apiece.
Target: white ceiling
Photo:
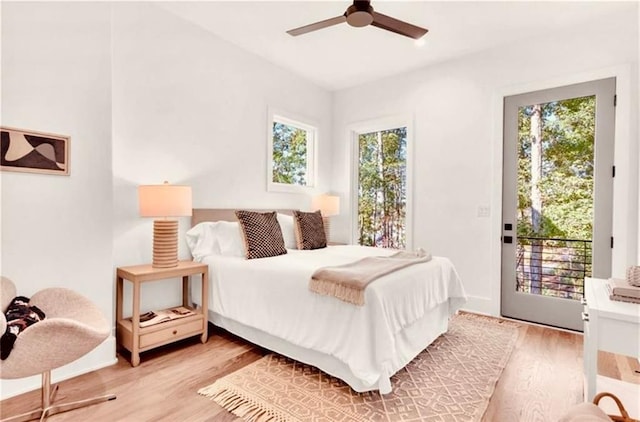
(341, 56)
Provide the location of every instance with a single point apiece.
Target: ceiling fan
(360, 14)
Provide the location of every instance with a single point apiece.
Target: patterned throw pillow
(309, 230)
(262, 234)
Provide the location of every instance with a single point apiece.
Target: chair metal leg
(65, 407)
(52, 397)
(46, 389)
(47, 407)
(29, 416)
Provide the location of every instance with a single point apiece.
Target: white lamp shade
(164, 200)
(328, 205)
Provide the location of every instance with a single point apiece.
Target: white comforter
(272, 295)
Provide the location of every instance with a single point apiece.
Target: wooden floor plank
(541, 381)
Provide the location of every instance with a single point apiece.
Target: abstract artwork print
(33, 152)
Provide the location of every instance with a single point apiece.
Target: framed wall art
(33, 152)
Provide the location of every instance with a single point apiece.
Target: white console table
(614, 327)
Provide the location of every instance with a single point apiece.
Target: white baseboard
(102, 356)
(481, 305)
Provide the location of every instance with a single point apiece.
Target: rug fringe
(235, 402)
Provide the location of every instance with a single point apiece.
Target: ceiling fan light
(359, 19)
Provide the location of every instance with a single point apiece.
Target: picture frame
(31, 151)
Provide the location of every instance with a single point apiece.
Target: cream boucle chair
(72, 328)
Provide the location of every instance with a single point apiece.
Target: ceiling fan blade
(397, 26)
(318, 25)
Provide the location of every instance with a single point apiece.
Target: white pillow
(215, 238)
(228, 235)
(201, 242)
(288, 234)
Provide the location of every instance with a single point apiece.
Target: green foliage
(382, 188)
(289, 154)
(552, 264)
(567, 170)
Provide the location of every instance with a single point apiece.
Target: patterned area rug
(452, 380)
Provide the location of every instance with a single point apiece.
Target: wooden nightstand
(136, 339)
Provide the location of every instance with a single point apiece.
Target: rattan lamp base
(326, 222)
(165, 243)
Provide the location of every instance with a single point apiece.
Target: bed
(267, 302)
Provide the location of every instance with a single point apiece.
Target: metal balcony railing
(552, 266)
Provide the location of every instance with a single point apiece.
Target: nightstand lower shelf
(160, 334)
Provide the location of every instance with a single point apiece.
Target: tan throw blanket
(347, 282)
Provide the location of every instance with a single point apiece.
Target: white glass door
(557, 199)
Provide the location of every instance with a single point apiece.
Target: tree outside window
(382, 188)
(291, 154)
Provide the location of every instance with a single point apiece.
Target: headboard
(222, 214)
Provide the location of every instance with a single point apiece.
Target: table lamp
(164, 201)
(329, 205)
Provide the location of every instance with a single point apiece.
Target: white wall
(458, 143)
(57, 230)
(191, 108)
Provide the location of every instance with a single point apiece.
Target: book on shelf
(164, 315)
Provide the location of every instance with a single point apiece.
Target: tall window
(291, 154)
(382, 188)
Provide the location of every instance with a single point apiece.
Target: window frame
(377, 125)
(312, 130)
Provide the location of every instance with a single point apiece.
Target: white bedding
(272, 296)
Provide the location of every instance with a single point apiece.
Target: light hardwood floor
(541, 381)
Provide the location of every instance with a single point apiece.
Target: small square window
(291, 158)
